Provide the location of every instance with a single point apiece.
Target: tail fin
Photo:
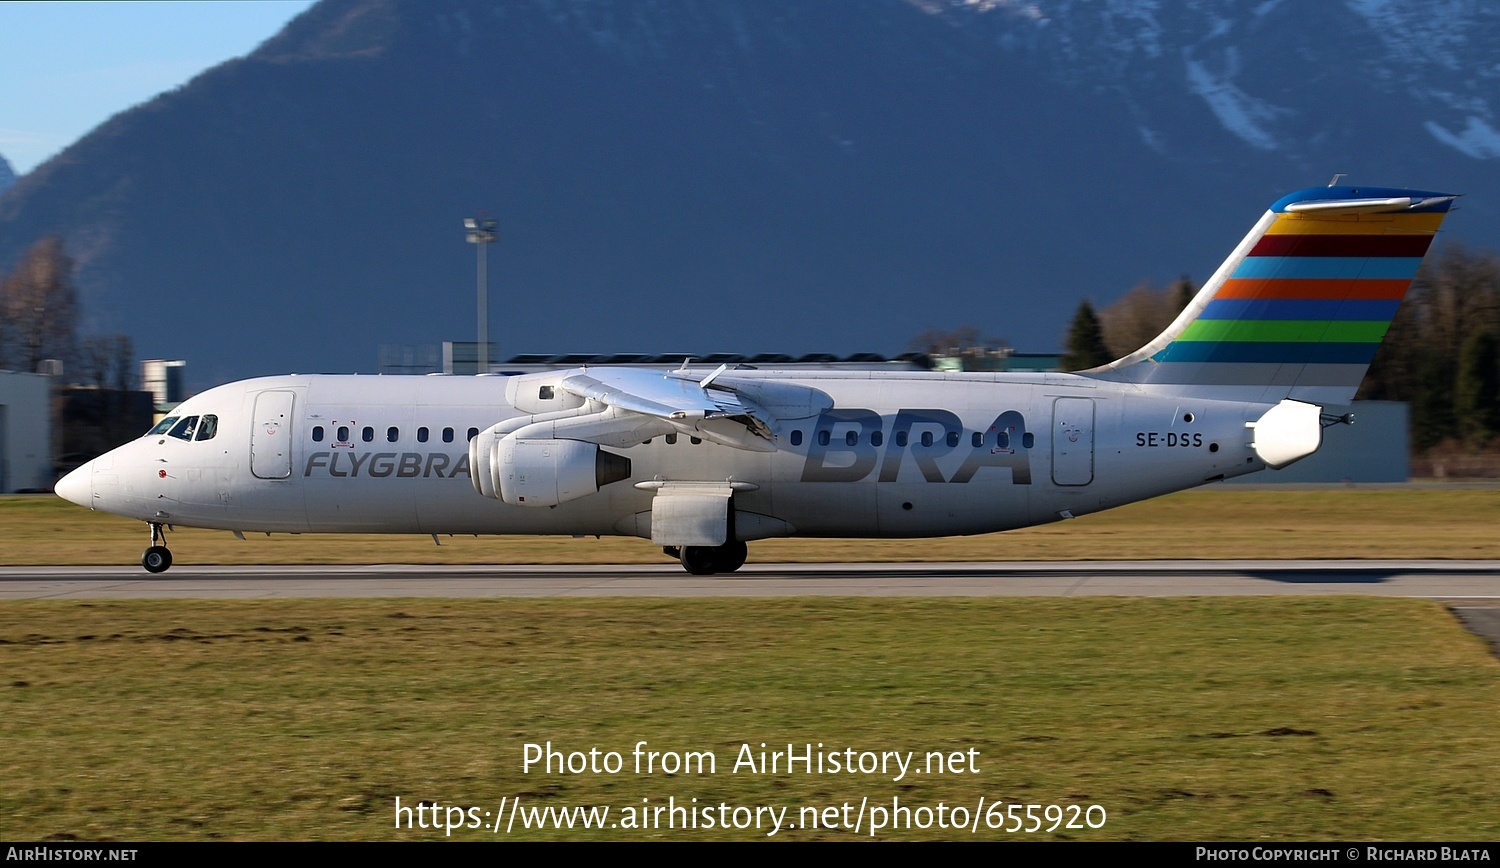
(1301, 305)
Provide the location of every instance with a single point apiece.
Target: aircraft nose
(78, 486)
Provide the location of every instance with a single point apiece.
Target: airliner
(702, 462)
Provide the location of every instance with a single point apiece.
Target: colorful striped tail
(1301, 305)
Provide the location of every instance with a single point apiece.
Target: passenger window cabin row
(345, 433)
(978, 439)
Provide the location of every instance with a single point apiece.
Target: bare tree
(107, 362)
(40, 307)
(1142, 314)
(966, 340)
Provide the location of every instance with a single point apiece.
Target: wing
(623, 407)
(695, 407)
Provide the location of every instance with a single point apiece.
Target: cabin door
(271, 436)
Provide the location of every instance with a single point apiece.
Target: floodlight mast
(482, 232)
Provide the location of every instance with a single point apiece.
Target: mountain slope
(703, 176)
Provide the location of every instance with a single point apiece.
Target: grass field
(1218, 522)
(1206, 719)
(1183, 719)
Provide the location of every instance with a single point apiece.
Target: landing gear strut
(157, 558)
(707, 560)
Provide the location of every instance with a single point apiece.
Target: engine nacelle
(481, 468)
(550, 472)
(540, 393)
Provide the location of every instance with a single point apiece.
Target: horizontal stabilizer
(1392, 205)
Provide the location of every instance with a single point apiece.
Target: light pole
(482, 232)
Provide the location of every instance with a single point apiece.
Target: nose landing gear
(158, 558)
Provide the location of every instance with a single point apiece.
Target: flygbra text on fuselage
(701, 462)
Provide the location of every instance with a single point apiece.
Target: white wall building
(25, 432)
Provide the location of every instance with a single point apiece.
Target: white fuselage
(701, 462)
(898, 454)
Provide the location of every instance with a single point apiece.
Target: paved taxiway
(1470, 582)
(1472, 588)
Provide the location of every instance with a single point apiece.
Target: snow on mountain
(1274, 74)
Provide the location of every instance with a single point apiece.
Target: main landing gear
(707, 560)
(157, 558)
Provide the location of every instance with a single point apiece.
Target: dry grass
(1186, 719)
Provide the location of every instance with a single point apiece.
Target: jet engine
(550, 472)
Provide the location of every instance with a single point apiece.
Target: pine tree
(1476, 399)
(1085, 348)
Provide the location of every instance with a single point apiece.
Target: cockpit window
(184, 429)
(208, 427)
(163, 426)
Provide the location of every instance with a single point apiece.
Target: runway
(1468, 582)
